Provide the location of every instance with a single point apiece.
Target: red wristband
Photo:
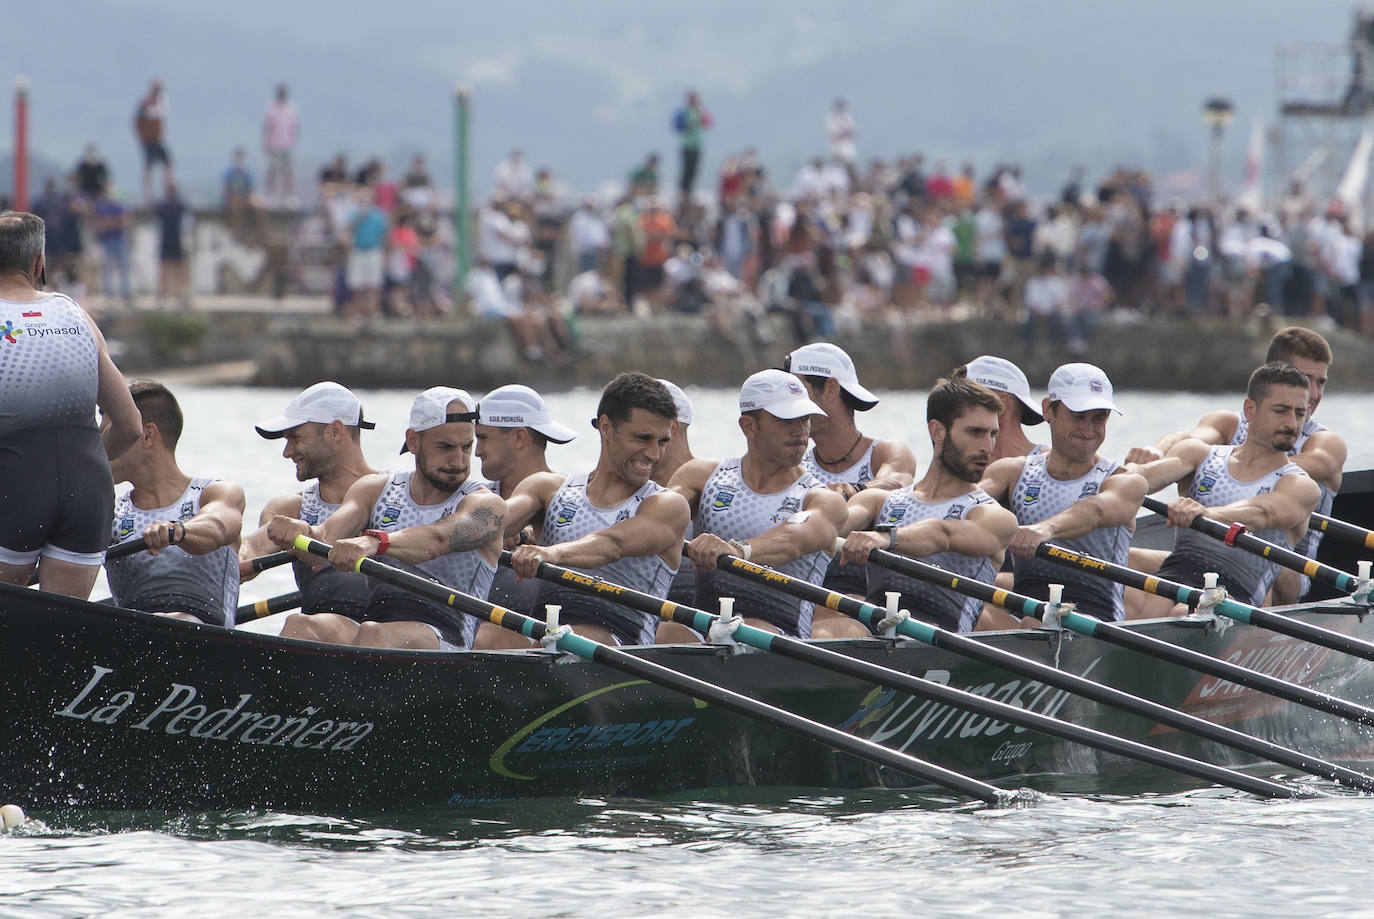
(1231, 534)
(383, 539)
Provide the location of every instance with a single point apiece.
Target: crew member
(614, 522)
(1018, 408)
(1255, 484)
(944, 518)
(684, 587)
(434, 521)
(55, 370)
(766, 507)
(190, 523)
(1070, 495)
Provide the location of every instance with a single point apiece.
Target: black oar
(122, 549)
(1342, 530)
(250, 611)
(1095, 628)
(672, 679)
(909, 683)
(263, 562)
(1287, 558)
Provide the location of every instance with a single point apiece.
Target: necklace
(845, 458)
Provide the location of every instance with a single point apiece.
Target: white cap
(1082, 388)
(778, 393)
(320, 404)
(430, 409)
(684, 405)
(516, 406)
(822, 359)
(1004, 376)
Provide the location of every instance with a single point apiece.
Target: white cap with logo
(430, 409)
(319, 404)
(1004, 376)
(778, 393)
(516, 406)
(684, 405)
(822, 359)
(1082, 388)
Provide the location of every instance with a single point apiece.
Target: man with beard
(321, 429)
(1069, 495)
(614, 522)
(766, 507)
(435, 521)
(944, 518)
(1254, 485)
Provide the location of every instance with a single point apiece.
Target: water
(772, 852)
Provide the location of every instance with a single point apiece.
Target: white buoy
(12, 815)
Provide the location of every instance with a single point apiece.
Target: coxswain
(191, 523)
(1018, 407)
(614, 522)
(55, 370)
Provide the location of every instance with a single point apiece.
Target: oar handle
(250, 611)
(1342, 530)
(263, 562)
(126, 548)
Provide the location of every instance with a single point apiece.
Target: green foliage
(172, 334)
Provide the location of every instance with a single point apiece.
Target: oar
(126, 548)
(1238, 537)
(909, 683)
(663, 676)
(263, 562)
(250, 611)
(1342, 530)
(1114, 634)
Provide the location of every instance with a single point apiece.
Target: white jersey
(1037, 496)
(844, 578)
(174, 580)
(939, 605)
(396, 510)
(314, 509)
(49, 365)
(732, 510)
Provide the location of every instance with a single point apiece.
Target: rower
(1321, 453)
(1018, 408)
(842, 457)
(767, 507)
(1254, 484)
(684, 587)
(434, 521)
(614, 522)
(321, 430)
(944, 518)
(1070, 495)
(514, 429)
(190, 523)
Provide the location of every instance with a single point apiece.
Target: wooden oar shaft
(1287, 558)
(250, 611)
(916, 686)
(1342, 530)
(672, 679)
(1107, 695)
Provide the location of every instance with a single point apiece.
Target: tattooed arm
(477, 525)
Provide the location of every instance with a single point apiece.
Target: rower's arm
(528, 500)
(218, 523)
(477, 525)
(894, 466)
(1115, 504)
(1212, 429)
(812, 530)
(656, 529)
(258, 543)
(1323, 458)
(1288, 507)
(349, 520)
(986, 531)
(999, 478)
(690, 481)
(1181, 461)
(861, 511)
(123, 423)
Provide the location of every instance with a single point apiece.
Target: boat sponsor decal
(170, 711)
(552, 743)
(1268, 653)
(1032, 494)
(724, 498)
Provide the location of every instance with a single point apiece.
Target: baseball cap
(822, 359)
(778, 393)
(684, 405)
(320, 404)
(1082, 388)
(430, 409)
(1004, 376)
(517, 406)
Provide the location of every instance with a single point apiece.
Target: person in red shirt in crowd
(659, 232)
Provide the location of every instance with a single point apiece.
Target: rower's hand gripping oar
(263, 562)
(909, 683)
(570, 642)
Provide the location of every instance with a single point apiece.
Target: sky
(589, 88)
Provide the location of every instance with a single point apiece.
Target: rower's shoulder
(285, 505)
(693, 474)
(1215, 427)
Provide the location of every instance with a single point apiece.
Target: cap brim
(1030, 411)
(277, 427)
(861, 394)
(1090, 405)
(559, 434)
(794, 408)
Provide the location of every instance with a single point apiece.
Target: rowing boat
(105, 707)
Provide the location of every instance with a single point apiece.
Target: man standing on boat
(1070, 495)
(841, 456)
(1320, 452)
(944, 518)
(57, 514)
(190, 523)
(614, 522)
(435, 521)
(1256, 484)
(322, 434)
(765, 506)
(1018, 408)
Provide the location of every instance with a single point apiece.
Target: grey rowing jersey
(314, 509)
(49, 365)
(938, 605)
(732, 510)
(1214, 486)
(852, 578)
(173, 580)
(571, 515)
(1037, 496)
(1310, 542)
(396, 510)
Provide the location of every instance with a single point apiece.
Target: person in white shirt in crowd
(1046, 298)
(990, 243)
(514, 178)
(841, 133)
(589, 235)
(501, 238)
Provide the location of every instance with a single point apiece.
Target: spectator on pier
(91, 172)
(174, 272)
(514, 178)
(691, 123)
(111, 225)
(238, 191)
(281, 127)
(150, 126)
